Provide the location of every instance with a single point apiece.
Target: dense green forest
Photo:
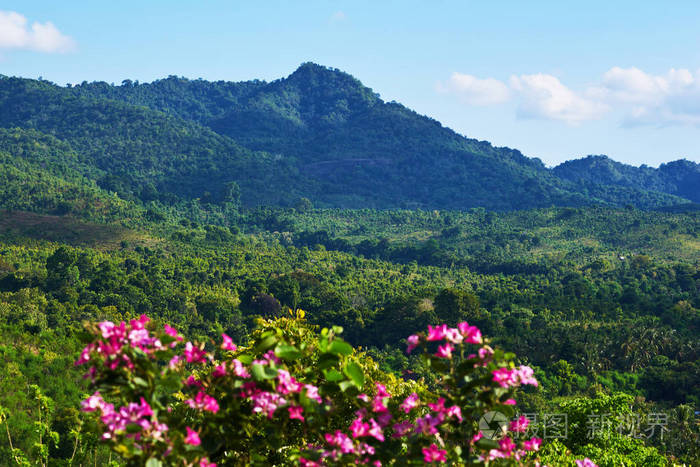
(551, 286)
(319, 133)
(209, 205)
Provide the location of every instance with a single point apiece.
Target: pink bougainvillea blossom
(532, 444)
(227, 343)
(219, 371)
(519, 425)
(296, 412)
(585, 463)
(410, 403)
(445, 351)
(434, 454)
(413, 341)
(203, 401)
(192, 437)
(194, 354)
(437, 333)
(455, 412)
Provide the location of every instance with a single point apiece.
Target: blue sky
(552, 79)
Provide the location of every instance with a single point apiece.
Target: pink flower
(172, 332)
(471, 334)
(239, 370)
(192, 437)
(203, 401)
(506, 446)
(585, 463)
(192, 381)
(413, 341)
(111, 331)
(410, 403)
(375, 430)
(427, 424)
(85, 355)
(437, 333)
(287, 383)
(438, 406)
(445, 351)
(92, 403)
(219, 371)
(402, 429)
(295, 412)
(453, 335)
(267, 402)
(485, 353)
(520, 424)
(363, 397)
(341, 440)
(455, 411)
(358, 428)
(505, 377)
(525, 374)
(532, 444)
(379, 402)
(509, 402)
(172, 364)
(228, 344)
(477, 437)
(194, 354)
(312, 393)
(308, 463)
(204, 462)
(433, 454)
(140, 322)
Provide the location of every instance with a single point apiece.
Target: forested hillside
(319, 133)
(680, 178)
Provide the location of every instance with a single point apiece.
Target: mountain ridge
(318, 133)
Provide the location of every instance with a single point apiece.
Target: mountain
(318, 134)
(680, 178)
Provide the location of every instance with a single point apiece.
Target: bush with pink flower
(296, 396)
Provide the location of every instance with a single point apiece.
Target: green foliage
(319, 133)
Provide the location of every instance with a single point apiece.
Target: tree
(453, 306)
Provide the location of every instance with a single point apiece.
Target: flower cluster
(115, 338)
(266, 387)
(135, 421)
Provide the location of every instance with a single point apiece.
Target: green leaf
(245, 359)
(261, 372)
(333, 375)
(340, 347)
(344, 385)
(287, 352)
(266, 344)
(354, 372)
(138, 381)
(327, 360)
(485, 443)
(153, 462)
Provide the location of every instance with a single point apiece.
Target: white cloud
(16, 33)
(475, 91)
(670, 99)
(637, 97)
(544, 96)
